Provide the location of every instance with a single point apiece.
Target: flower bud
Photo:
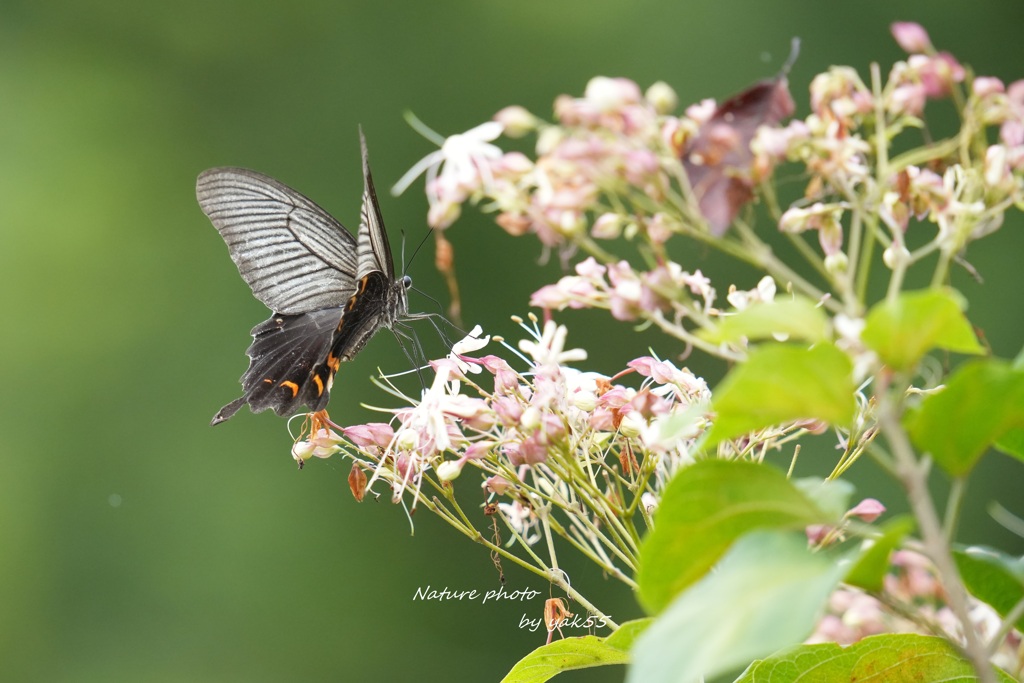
(983, 86)
(585, 401)
(516, 121)
(911, 37)
(443, 213)
(497, 484)
(449, 470)
(530, 419)
(608, 226)
(895, 255)
(407, 440)
(611, 94)
(836, 263)
(868, 510)
(302, 451)
(662, 97)
(631, 424)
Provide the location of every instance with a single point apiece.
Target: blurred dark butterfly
(330, 291)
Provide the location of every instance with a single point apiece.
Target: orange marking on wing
(268, 381)
(333, 362)
(290, 385)
(319, 385)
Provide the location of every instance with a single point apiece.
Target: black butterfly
(330, 291)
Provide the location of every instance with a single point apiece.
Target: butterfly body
(330, 292)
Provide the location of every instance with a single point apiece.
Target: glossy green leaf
(780, 383)
(982, 402)
(567, 654)
(992, 577)
(704, 509)
(904, 330)
(796, 318)
(883, 658)
(767, 593)
(869, 570)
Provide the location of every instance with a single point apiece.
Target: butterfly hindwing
(288, 357)
(293, 254)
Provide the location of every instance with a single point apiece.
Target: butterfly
(329, 291)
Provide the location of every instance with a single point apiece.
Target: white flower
(464, 161)
(550, 348)
(522, 519)
(764, 292)
(468, 344)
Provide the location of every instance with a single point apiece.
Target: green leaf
(982, 402)
(904, 330)
(577, 653)
(831, 496)
(992, 577)
(766, 593)
(704, 509)
(1012, 443)
(797, 318)
(780, 383)
(869, 570)
(883, 658)
(623, 637)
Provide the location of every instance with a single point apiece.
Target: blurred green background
(138, 543)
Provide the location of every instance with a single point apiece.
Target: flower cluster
(617, 162)
(627, 294)
(546, 439)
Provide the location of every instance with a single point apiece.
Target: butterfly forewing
(374, 249)
(293, 254)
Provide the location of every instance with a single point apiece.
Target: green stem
(913, 475)
(953, 507)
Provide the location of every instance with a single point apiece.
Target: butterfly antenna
(418, 247)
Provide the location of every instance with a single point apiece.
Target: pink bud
(987, 85)
(443, 213)
(549, 297)
(868, 510)
(370, 434)
(497, 484)
(817, 533)
(911, 37)
(478, 450)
